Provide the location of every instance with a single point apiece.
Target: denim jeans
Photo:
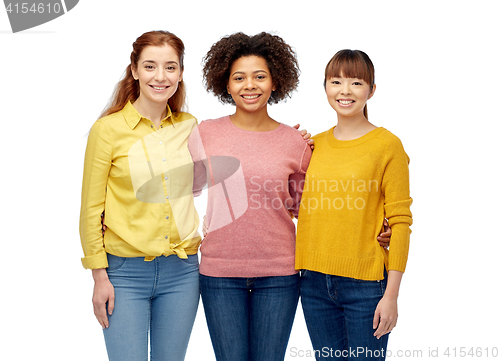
(339, 315)
(155, 305)
(250, 319)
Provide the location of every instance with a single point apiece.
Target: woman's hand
(386, 316)
(384, 238)
(305, 135)
(104, 294)
(386, 313)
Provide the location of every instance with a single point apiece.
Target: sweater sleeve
(199, 157)
(98, 157)
(396, 189)
(297, 180)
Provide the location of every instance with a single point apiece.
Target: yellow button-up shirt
(142, 177)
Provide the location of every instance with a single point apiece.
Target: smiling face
(250, 83)
(158, 72)
(348, 96)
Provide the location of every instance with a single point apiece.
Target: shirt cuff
(96, 261)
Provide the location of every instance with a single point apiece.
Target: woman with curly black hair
(254, 167)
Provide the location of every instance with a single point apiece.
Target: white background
(437, 75)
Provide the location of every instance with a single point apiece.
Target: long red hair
(127, 89)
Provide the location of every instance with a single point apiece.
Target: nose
(346, 89)
(161, 74)
(249, 83)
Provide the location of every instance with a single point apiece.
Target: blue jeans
(250, 319)
(155, 304)
(339, 316)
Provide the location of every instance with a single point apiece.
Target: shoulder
(112, 122)
(106, 124)
(292, 144)
(321, 135)
(102, 129)
(213, 124)
(389, 138)
(178, 117)
(207, 128)
(111, 119)
(393, 147)
(286, 129)
(291, 134)
(321, 142)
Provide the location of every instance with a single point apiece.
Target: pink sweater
(255, 181)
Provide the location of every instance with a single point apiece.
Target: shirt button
(151, 126)
(166, 178)
(161, 142)
(166, 197)
(164, 159)
(166, 217)
(166, 237)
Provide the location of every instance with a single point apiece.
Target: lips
(158, 88)
(251, 97)
(345, 102)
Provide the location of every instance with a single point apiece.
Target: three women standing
(139, 172)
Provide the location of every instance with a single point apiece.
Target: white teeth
(345, 102)
(158, 88)
(250, 96)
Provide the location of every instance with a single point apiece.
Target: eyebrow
(338, 77)
(152, 61)
(257, 71)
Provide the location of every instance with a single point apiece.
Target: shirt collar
(133, 117)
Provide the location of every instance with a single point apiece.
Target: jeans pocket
(192, 259)
(115, 263)
(383, 285)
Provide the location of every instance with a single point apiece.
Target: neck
(349, 128)
(151, 110)
(256, 121)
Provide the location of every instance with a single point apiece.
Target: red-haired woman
(138, 171)
(359, 174)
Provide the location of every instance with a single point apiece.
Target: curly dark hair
(280, 57)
